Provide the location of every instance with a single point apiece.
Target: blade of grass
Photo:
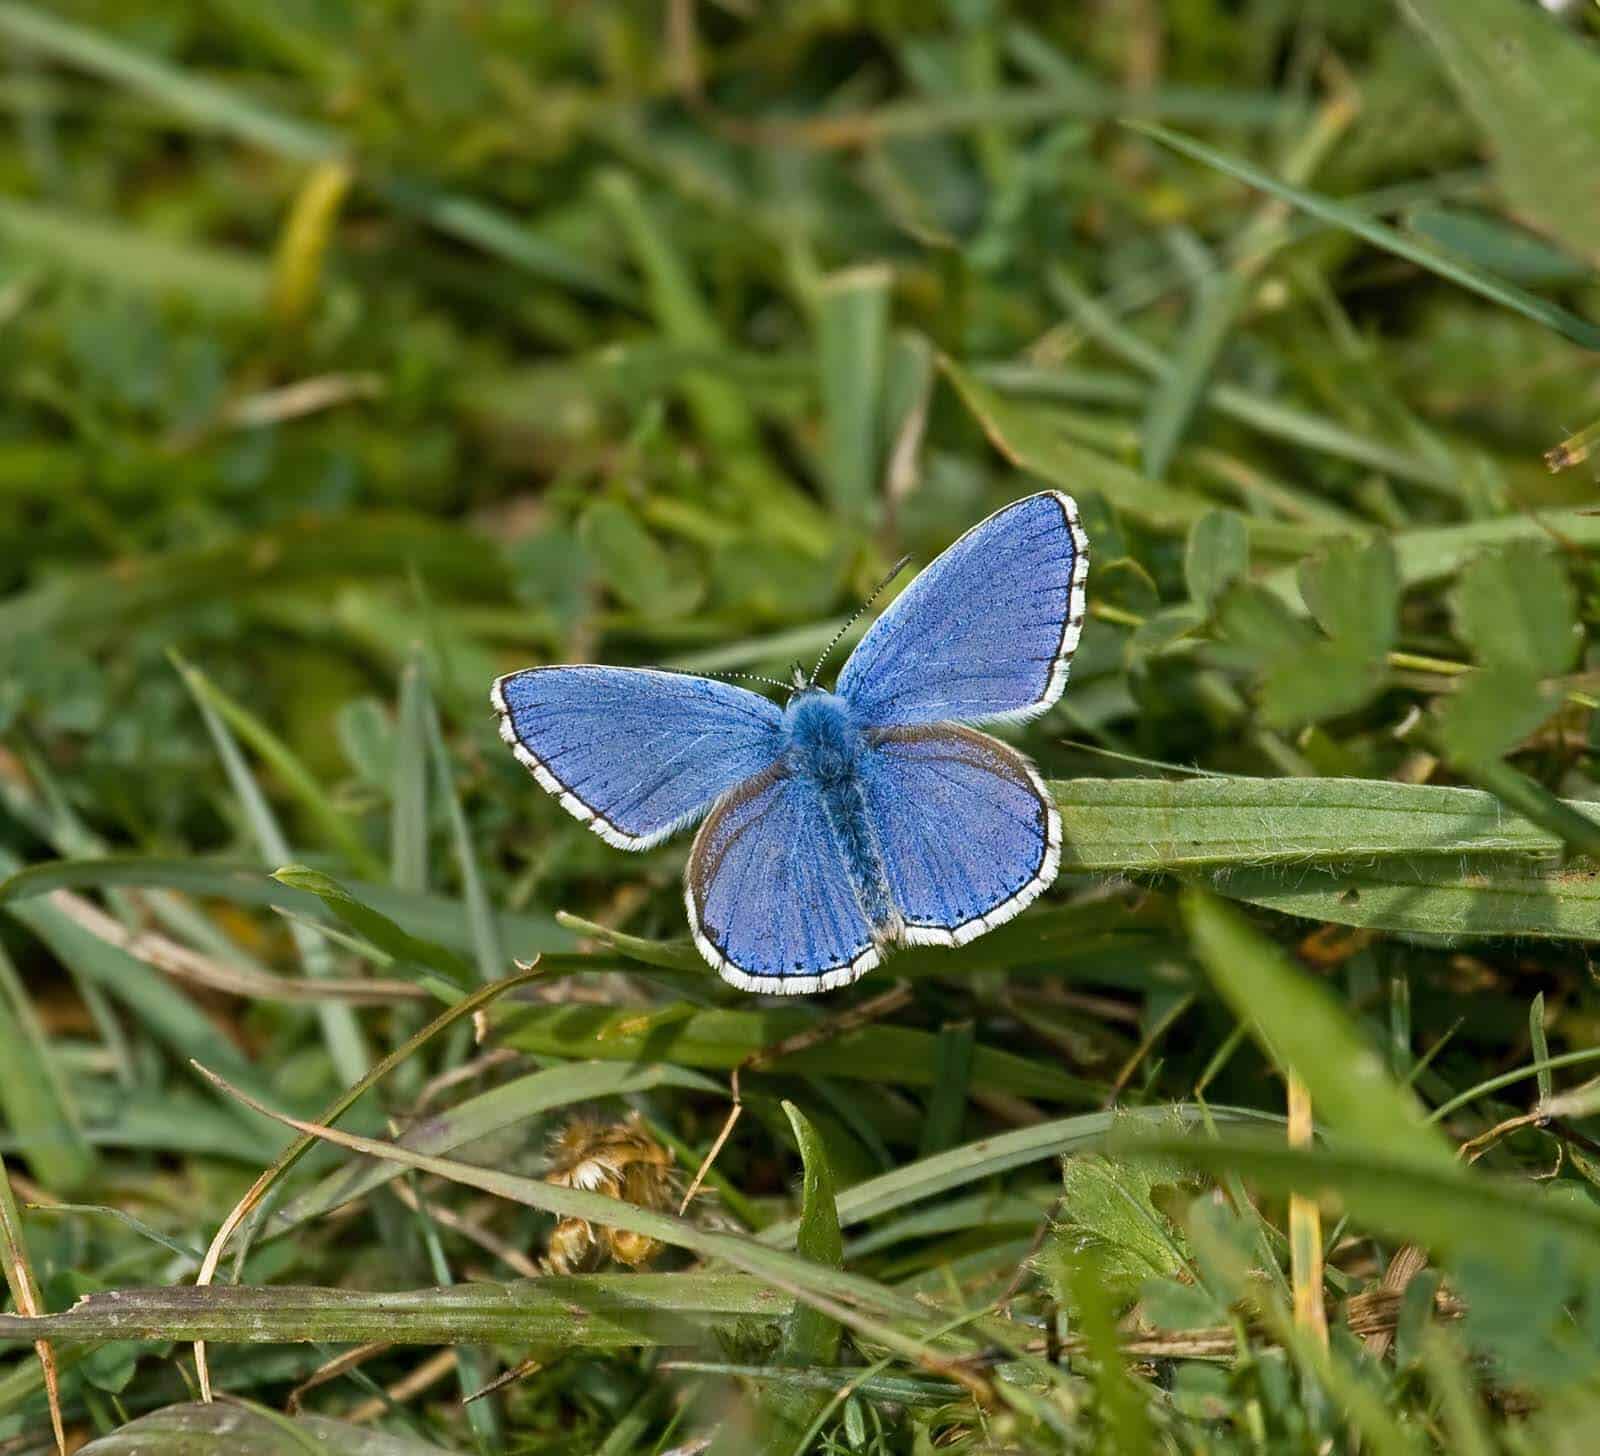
(450, 974)
(852, 344)
(214, 107)
(819, 1287)
(335, 1110)
(810, 1337)
(25, 1294)
(1380, 235)
(408, 813)
(991, 1156)
(220, 709)
(488, 944)
(1261, 412)
(1305, 1030)
(1032, 440)
(347, 1045)
(34, 1096)
(947, 1103)
(224, 283)
(1443, 1207)
(721, 1040)
(514, 1104)
(431, 917)
(97, 604)
(1180, 389)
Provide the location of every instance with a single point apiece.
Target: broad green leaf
(1323, 681)
(1302, 677)
(1534, 86)
(1216, 555)
(1111, 825)
(1517, 610)
(1257, 631)
(1353, 591)
(1109, 1205)
(1434, 553)
(1306, 1031)
(1491, 712)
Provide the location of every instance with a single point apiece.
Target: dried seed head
(621, 1160)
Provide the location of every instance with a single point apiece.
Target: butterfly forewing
(633, 752)
(986, 631)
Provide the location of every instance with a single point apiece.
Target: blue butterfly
(850, 822)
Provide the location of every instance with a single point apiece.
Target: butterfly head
(799, 681)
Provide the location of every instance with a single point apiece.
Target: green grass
(358, 353)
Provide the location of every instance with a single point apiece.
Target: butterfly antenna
(730, 676)
(855, 616)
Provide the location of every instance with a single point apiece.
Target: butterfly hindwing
(635, 753)
(769, 897)
(968, 832)
(986, 631)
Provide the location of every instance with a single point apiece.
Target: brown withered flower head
(622, 1161)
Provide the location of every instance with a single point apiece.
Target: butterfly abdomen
(826, 745)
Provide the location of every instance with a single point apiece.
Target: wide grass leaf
(1431, 895)
(1112, 825)
(1436, 1203)
(599, 1311)
(236, 1429)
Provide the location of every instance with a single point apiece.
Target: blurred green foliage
(356, 353)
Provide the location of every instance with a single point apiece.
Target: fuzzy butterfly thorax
(821, 736)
